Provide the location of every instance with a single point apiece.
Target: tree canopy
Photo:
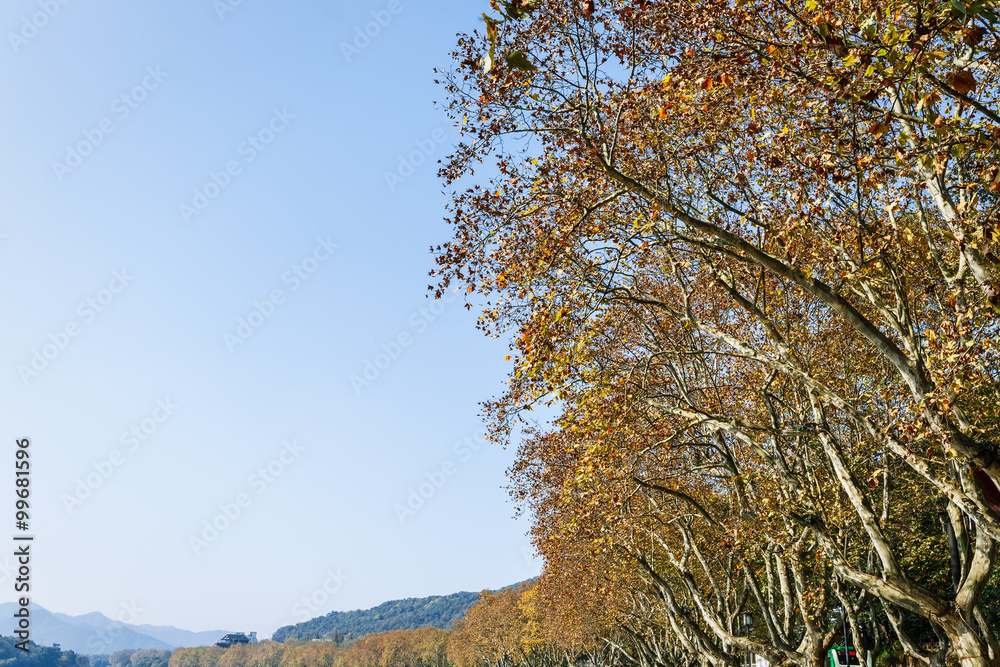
(38, 656)
(748, 252)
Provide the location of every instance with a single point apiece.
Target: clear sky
(173, 168)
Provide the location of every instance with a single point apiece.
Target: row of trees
(263, 654)
(747, 251)
(424, 647)
(133, 658)
(517, 627)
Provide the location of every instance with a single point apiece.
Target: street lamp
(847, 653)
(747, 622)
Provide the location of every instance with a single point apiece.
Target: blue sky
(173, 169)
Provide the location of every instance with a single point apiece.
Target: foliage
(38, 656)
(423, 647)
(149, 658)
(748, 251)
(510, 628)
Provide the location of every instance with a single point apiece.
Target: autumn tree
(490, 633)
(510, 628)
(762, 233)
(150, 658)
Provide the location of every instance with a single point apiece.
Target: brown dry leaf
(973, 36)
(963, 81)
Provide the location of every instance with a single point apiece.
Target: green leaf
(518, 8)
(517, 60)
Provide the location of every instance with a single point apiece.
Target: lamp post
(747, 622)
(847, 653)
(843, 607)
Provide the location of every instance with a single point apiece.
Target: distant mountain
(177, 637)
(77, 635)
(95, 633)
(437, 611)
(94, 618)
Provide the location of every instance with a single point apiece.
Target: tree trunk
(967, 649)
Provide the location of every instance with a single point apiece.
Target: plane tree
(767, 229)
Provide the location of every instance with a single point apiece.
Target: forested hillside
(438, 611)
(38, 656)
